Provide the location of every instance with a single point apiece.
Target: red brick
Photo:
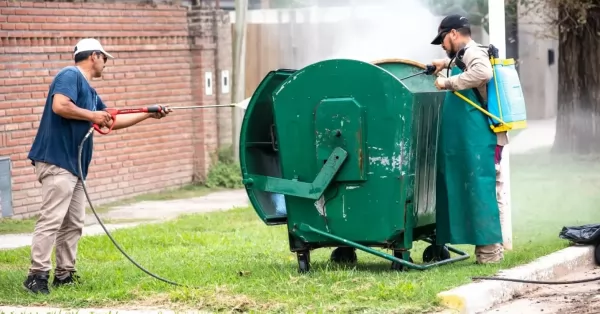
(155, 65)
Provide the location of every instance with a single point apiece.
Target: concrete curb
(480, 296)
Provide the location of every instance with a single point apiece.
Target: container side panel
(368, 211)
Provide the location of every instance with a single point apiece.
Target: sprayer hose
(87, 196)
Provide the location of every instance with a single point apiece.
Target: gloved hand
(430, 69)
(439, 64)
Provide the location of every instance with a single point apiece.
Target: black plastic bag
(586, 234)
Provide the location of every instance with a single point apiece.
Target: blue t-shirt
(57, 139)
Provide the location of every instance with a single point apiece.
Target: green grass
(11, 226)
(239, 264)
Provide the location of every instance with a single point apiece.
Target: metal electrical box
(5, 187)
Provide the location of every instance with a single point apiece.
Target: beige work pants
(494, 252)
(62, 220)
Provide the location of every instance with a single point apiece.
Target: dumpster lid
(267, 86)
(258, 145)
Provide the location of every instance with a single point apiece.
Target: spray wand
(153, 109)
(429, 69)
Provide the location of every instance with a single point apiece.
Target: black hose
(102, 224)
(87, 196)
(538, 282)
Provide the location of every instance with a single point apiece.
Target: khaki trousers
(494, 252)
(61, 221)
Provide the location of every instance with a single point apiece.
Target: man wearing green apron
(469, 198)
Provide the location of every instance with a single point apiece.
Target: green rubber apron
(466, 206)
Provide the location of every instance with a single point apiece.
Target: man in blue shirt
(71, 107)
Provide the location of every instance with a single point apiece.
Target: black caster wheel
(344, 255)
(597, 254)
(430, 254)
(397, 266)
(303, 261)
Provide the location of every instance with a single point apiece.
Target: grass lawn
(9, 226)
(240, 264)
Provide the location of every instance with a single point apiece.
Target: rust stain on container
(360, 151)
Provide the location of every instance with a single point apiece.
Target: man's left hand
(440, 83)
(162, 113)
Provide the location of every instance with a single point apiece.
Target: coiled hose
(87, 196)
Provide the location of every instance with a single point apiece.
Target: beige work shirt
(477, 74)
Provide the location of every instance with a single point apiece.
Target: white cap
(90, 44)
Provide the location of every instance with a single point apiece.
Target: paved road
(554, 299)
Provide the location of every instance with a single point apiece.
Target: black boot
(71, 279)
(37, 283)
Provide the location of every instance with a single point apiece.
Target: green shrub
(225, 172)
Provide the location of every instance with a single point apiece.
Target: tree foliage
(475, 10)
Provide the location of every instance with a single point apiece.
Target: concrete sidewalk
(150, 211)
(538, 134)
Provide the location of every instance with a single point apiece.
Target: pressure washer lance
(114, 113)
(154, 109)
(429, 69)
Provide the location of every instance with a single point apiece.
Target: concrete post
(497, 37)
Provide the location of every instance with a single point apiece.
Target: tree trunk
(578, 116)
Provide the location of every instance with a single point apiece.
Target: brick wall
(162, 53)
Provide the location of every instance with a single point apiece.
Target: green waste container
(344, 153)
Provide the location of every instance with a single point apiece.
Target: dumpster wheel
(397, 266)
(303, 261)
(597, 254)
(430, 254)
(344, 255)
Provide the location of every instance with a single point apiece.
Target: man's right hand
(101, 118)
(439, 64)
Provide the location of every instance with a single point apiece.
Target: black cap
(450, 22)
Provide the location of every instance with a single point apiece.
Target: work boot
(489, 254)
(37, 283)
(71, 279)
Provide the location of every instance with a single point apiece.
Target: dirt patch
(553, 299)
(205, 301)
